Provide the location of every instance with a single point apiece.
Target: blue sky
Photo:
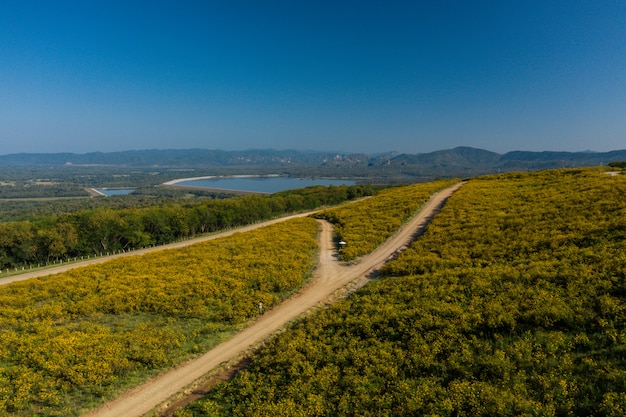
(349, 76)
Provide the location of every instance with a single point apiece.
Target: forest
(512, 303)
(43, 240)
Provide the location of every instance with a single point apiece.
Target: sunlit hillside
(71, 341)
(512, 303)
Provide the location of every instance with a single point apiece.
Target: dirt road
(329, 277)
(139, 252)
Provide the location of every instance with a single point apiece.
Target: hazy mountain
(458, 161)
(170, 157)
(461, 157)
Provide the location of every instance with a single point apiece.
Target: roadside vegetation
(365, 225)
(618, 164)
(70, 341)
(47, 239)
(512, 303)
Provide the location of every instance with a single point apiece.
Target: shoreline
(223, 184)
(96, 191)
(208, 177)
(214, 190)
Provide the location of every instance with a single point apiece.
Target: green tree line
(20, 209)
(102, 230)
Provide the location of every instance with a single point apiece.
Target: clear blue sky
(350, 76)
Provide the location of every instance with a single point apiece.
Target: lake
(269, 185)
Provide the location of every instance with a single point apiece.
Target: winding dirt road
(330, 276)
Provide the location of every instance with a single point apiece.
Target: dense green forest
(511, 304)
(21, 209)
(102, 230)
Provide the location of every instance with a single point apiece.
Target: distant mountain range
(457, 161)
(466, 157)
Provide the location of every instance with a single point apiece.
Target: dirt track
(330, 276)
(139, 252)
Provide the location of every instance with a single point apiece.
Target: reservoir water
(258, 184)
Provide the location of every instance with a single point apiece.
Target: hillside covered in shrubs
(512, 303)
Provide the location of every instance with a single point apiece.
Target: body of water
(259, 184)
